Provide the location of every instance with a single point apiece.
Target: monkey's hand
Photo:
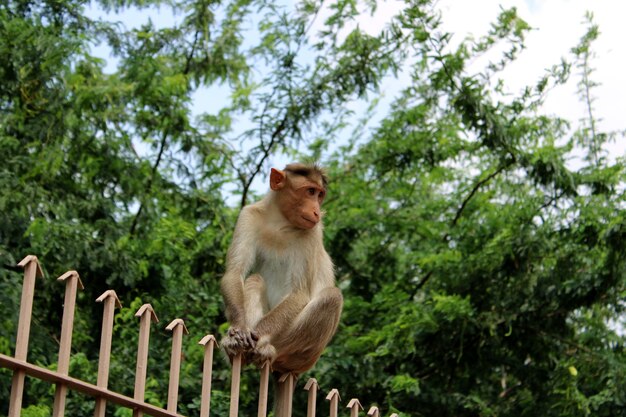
(263, 352)
(239, 340)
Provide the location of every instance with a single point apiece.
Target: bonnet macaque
(279, 286)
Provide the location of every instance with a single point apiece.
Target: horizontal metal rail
(81, 386)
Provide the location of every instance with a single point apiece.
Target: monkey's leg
(301, 345)
(275, 323)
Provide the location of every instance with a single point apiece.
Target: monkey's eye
(311, 191)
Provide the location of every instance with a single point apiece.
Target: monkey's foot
(238, 341)
(264, 352)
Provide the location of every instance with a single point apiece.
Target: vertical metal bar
(72, 282)
(288, 380)
(373, 412)
(333, 396)
(264, 389)
(208, 342)
(110, 300)
(354, 405)
(234, 386)
(146, 314)
(31, 271)
(311, 386)
(177, 327)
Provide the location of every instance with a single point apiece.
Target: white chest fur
(283, 271)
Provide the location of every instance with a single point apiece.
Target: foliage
(482, 271)
(479, 251)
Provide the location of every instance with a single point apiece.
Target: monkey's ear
(277, 179)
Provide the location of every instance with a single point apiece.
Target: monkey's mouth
(309, 221)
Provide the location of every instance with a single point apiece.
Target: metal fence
(21, 368)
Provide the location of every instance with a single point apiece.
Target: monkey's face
(299, 198)
(301, 203)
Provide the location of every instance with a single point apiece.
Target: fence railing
(100, 392)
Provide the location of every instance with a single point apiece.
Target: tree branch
(150, 181)
(266, 153)
(457, 216)
(474, 190)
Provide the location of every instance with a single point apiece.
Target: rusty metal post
(264, 389)
(333, 397)
(234, 386)
(209, 343)
(110, 300)
(177, 327)
(32, 270)
(354, 405)
(311, 386)
(72, 283)
(147, 315)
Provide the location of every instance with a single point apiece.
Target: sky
(557, 26)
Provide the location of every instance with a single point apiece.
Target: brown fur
(279, 286)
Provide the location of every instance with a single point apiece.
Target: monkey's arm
(241, 258)
(232, 291)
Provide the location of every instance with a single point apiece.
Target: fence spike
(354, 405)
(177, 327)
(311, 386)
(373, 412)
(32, 270)
(27, 260)
(72, 283)
(333, 397)
(112, 295)
(110, 300)
(146, 315)
(264, 389)
(209, 343)
(234, 386)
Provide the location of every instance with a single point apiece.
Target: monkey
(279, 288)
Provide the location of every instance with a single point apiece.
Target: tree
(481, 272)
(96, 174)
(108, 173)
(484, 272)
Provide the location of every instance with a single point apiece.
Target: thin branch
(457, 216)
(588, 102)
(150, 181)
(266, 153)
(191, 53)
(474, 190)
